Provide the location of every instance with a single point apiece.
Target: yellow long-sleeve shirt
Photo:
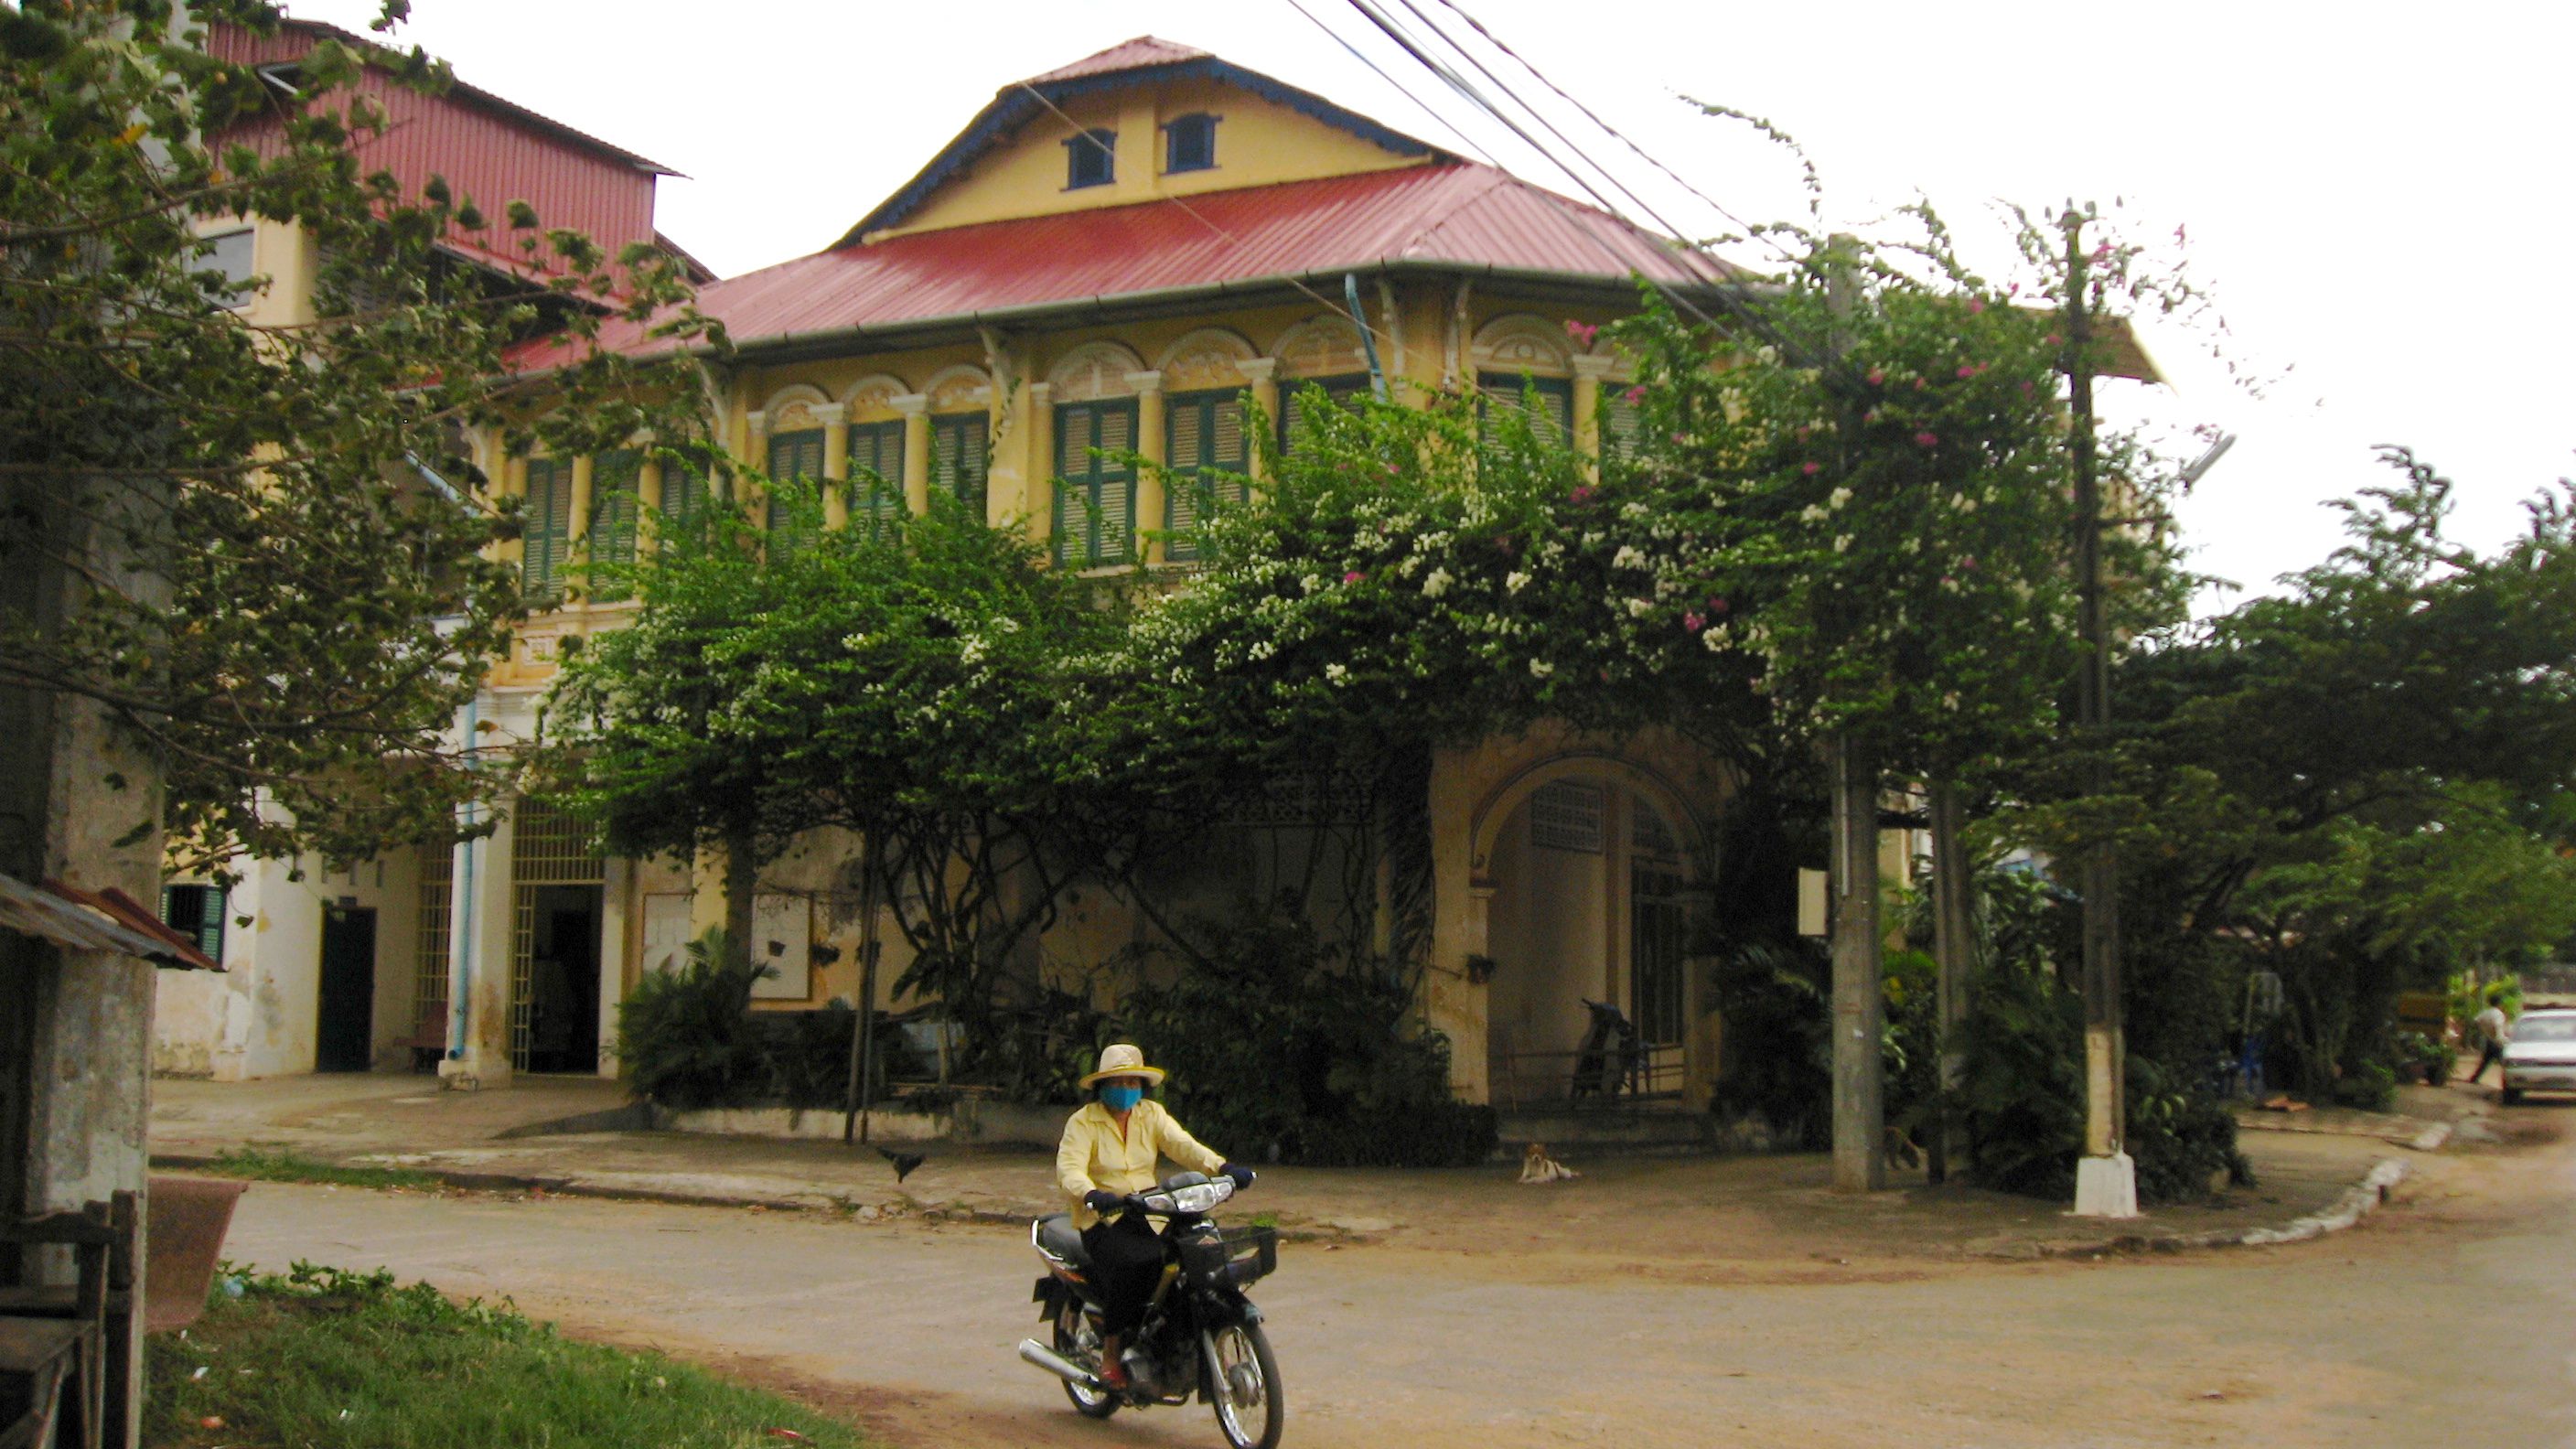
(1095, 1155)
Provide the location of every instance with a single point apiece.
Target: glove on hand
(1242, 1175)
(1103, 1202)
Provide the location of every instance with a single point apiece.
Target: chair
(83, 1327)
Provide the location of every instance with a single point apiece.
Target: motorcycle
(1200, 1334)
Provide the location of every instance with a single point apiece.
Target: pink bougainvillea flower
(1967, 370)
(1976, 305)
(1353, 577)
(2013, 291)
(1870, 417)
(1716, 604)
(1636, 394)
(1582, 332)
(1926, 440)
(2025, 388)
(1583, 492)
(1810, 469)
(1694, 621)
(1877, 375)
(1920, 384)
(2054, 340)
(1969, 562)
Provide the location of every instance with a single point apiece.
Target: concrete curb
(2350, 1207)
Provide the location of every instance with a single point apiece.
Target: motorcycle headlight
(1203, 1196)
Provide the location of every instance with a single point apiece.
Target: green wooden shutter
(792, 455)
(1204, 449)
(614, 505)
(1346, 390)
(1622, 423)
(1073, 489)
(546, 532)
(197, 912)
(1114, 484)
(958, 458)
(684, 488)
(876, 470)
(1549, 402)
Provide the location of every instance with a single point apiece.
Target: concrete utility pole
(1860, 1118)
(1954, 958)
(2106, 1181)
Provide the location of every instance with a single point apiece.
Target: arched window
(1094, 520)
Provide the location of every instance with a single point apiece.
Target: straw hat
(1123, 1060)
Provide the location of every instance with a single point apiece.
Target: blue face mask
(1122, 1098)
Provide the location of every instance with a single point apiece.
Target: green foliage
(277, 530)
(1279, 1050)
(321, 1355)
(684, 1038)
(1772, 999)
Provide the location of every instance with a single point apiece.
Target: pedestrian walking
(2495, 1028)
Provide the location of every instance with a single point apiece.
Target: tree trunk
(1860, 1126)
(741, 879)
(1954, 946)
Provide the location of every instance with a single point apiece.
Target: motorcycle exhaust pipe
(1034, 1352)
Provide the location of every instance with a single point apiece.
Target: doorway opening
(344, 1032)
(562, 1002)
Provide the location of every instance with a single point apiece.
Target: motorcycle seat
(1057, 1235)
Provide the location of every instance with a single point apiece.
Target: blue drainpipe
(460, 983)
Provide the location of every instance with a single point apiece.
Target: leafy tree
(303, 591)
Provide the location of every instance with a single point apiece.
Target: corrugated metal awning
(104, 920)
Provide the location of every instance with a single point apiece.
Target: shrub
(1279, 1050)
(1771, 997)
(684, 1037)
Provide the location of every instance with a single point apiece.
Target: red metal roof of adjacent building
(1144, 50)
(488, 149)
(1455, 216)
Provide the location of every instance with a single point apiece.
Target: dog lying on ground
(1537, 1166)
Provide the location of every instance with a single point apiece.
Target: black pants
(1126, 1262)
(2492, 1055)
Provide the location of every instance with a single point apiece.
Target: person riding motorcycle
(1109, 1151)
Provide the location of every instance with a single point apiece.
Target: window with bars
(545, 533)
(429, 970)
(1345, 391)
(1549, 402)
(1095, 491)
(615, 506)
(792, 455)
(196, 912)
(876, 470)
(1203, 449)
(960, 453)
(1090, 159)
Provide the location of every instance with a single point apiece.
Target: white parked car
(2542, 1055)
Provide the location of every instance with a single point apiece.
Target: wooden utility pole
(2106, 1182)
(1860, 1114)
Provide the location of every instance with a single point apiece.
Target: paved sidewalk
(1773, 1208)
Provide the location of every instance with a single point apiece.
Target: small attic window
(1090, 159)
(1189, 143)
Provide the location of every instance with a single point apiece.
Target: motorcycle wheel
(1076, 1339)
(1243, 1382)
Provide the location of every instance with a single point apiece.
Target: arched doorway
(1591, 870)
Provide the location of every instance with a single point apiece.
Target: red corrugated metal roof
(488, 149)
(1461, 214)
(1144, 50)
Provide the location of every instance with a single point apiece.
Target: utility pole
(1860, 1126)
(2106, 1180)
(1954, 958)
(861, 1098)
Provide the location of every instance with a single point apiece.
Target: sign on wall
(666, 931)
(782, 937)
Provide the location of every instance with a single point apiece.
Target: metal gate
(549, 848)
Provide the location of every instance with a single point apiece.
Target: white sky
(2375, 191)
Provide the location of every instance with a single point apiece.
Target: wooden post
(2106, 1183)
(1860, 1108)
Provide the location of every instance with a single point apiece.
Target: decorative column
(648, 496)
(915, 408)
(481, 941)
(577, 537)
(1149, 481)
(835, 421)
(754, 453)
(1039, 484)
(1588, 372)
(1263, 375)
(514, 484)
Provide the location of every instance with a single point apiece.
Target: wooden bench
(81, 1328)
(36, 1356)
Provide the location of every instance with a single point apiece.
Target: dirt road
(2443, 1319)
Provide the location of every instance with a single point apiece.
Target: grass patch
(322, 1356)
(281, 1164)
